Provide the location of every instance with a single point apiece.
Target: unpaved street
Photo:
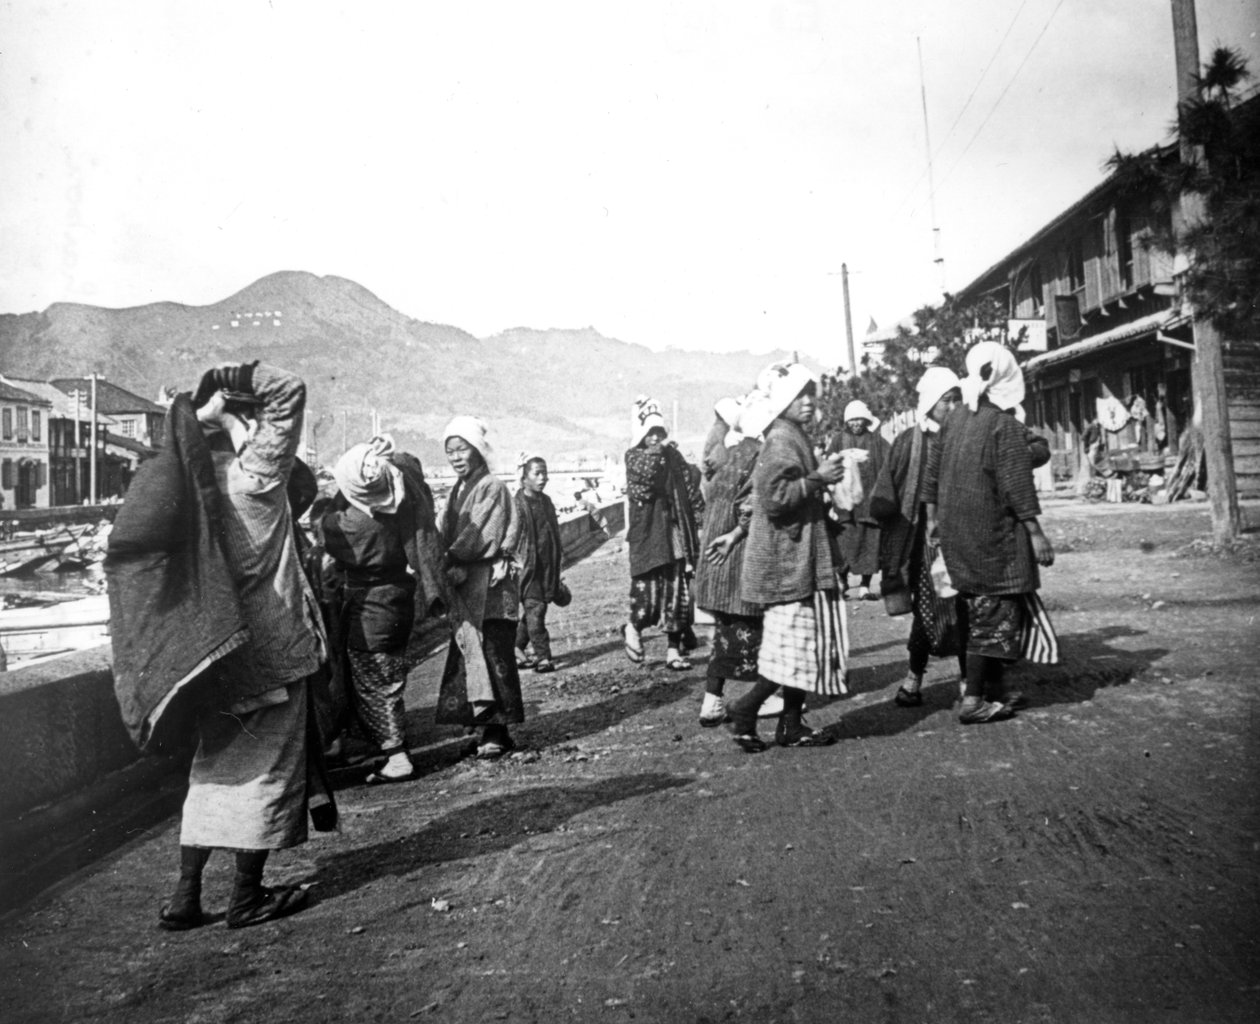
(1093, 860)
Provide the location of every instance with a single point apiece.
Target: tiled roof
(110, 398)
(9, 393)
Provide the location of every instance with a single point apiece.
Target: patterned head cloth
(935, 384)
(525, 458)
(781, 383)
(993, 371)
(366, 477)
(756, 414)
(857, 410)
(645, 415)
(471, 430)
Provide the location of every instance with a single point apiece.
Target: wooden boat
(29, 636)
(27, 552)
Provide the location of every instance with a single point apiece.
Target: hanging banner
(1033, 331)
(1067, 315)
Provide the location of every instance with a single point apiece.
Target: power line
(974, 89)
(1002, 95)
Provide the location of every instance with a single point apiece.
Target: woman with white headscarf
(480, 684)
(367, 539)
(904, 554)
(662, 536)
(859, 536)
(789, 568)
(981, 502)
(728, 511)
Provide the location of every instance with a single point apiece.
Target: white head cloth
(471, 430)
(645, 415)
(857, 410)
(936, 382)
(781, 383)
(1004, 383)
(757, 414)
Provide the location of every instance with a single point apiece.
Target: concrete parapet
(60, 730)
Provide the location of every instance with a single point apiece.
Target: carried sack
(938, 613)
(847, 494)
(896, 595)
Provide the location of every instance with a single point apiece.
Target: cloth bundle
(367, 479)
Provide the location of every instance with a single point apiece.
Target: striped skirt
(805, 644)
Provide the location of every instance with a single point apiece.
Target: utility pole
(1209, 365)
(76, 442)
(95, 491)
(848, 319)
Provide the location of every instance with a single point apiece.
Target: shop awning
(1130, 331)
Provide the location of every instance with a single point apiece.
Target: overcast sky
(686, 173)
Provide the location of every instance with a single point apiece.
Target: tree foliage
(941, 336)
(1223, 278)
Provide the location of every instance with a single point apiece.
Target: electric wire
(974, 89)
(998, 101)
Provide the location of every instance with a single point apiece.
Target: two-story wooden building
(23, 447)
(1099, 307)
(126, 424)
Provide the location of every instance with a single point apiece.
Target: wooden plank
(1246, 464)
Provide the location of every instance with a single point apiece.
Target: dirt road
(1093, 860)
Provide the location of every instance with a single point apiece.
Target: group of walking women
(488, 552)
(771, 559)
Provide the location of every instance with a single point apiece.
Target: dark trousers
(532, 627)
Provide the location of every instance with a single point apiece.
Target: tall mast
(938, 259)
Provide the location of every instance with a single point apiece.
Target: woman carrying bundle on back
(728, 512)
(664, 499)
(537, 553)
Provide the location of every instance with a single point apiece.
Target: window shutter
(6, 474)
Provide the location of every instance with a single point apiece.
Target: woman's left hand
(718, 551)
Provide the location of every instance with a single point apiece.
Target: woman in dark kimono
(980, 500)
(859, 537)
(480, 684)
(664, 499)
(904, 554)
(365, 536)
(728, 510)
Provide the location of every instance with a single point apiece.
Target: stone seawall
(60, 730)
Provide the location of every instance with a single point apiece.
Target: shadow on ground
(489, 826)
(1090, 663)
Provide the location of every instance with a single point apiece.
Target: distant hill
(566, 393)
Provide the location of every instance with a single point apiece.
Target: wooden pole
(848, 319)
(76, 442)
(92, 466)
(1209, 364)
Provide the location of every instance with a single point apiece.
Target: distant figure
(538, 553)
(859, 535)
(662, 536)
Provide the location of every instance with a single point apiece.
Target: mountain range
(565, 393)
